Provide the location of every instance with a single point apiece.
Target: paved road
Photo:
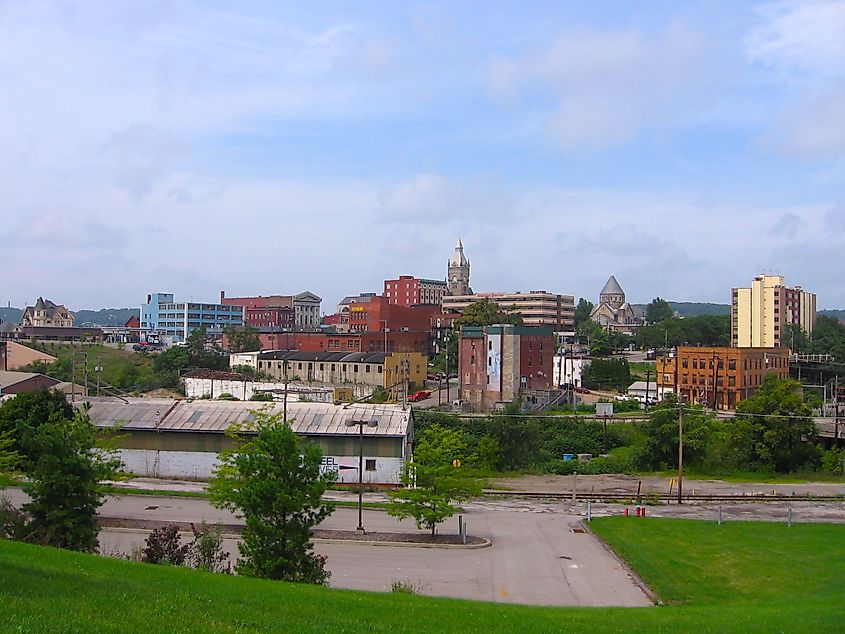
(535, 557)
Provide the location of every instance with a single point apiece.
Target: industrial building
(166, 438)
(499, 363)
(177, 320)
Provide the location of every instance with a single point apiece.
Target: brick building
(412, 291)
(300, 311)
(720, 378)
(402, 341)
(497, 363)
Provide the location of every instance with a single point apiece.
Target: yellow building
(760, 314)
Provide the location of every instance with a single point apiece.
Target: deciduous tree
(273, 480)
(436, 480)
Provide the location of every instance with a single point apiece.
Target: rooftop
(156, 414)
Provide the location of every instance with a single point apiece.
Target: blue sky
(260, 148)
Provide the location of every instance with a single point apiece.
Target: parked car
(419, 396)
(432, 376)
(582, 390)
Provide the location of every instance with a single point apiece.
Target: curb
(486, 543)
(325, 540)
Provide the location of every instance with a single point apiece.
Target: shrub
(12, 522)
(164, 546)
(406, 587)
(206, 551)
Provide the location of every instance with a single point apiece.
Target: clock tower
(458, 279)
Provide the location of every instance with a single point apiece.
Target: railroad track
(663, 498)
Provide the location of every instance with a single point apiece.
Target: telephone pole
(680, 450)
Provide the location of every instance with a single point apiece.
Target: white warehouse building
(168, 438)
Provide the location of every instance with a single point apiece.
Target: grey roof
(216, 416)
(344, 357)
(458, 258)
(612, 287)
(8, 378)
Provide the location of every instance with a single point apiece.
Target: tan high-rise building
(760, 314)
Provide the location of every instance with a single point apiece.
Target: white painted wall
(196, 388)
(199, 465)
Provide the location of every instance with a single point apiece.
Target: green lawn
(741, 577)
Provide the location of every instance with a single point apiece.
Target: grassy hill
(740, 577)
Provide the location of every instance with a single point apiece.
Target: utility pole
(680, 450)
(285, 400)
(647, 382)
(715, 381)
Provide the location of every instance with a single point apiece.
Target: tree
(795, 337)
(486, 313)
(274, 481)
(8, 459)
(659, 449)
(196, 341)
(773, 429)
(583, 311)
(658, 310)
(65, 465)
(436, 479)
(20, 417)
(242, 338)
(607, 374)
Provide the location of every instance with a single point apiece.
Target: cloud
(803, 45)
(800, 37)
(428, 198)
(601, 89)
(788, 226)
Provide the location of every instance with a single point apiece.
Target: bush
(595, 466)
(833, 461)
(261, 396)
(12, 522)
(225, 396)
(206, 552)
(164, 546)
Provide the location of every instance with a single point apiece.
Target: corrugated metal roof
(216, 416)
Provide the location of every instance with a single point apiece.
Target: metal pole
(680, 453)
(361, 476)
(285, 402)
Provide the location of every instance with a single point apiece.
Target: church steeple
(458, 279)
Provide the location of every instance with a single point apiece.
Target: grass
(756, 477)
(738, 563)
(740, 577)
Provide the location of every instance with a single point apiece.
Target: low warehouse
(166, 438)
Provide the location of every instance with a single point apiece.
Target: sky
(267, 147)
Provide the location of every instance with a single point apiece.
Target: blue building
(162, 315)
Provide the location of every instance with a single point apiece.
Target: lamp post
(373, 422)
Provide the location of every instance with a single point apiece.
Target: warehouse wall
(200, 465)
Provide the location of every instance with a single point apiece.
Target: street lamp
(373, 422)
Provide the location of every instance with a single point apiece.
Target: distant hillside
(690, 309)
(838, 314)
(102, 317)
(10, 314)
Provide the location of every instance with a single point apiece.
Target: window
(370, 464)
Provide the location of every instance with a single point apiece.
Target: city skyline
(189, 148)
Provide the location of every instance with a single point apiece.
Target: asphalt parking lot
(535, 558)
